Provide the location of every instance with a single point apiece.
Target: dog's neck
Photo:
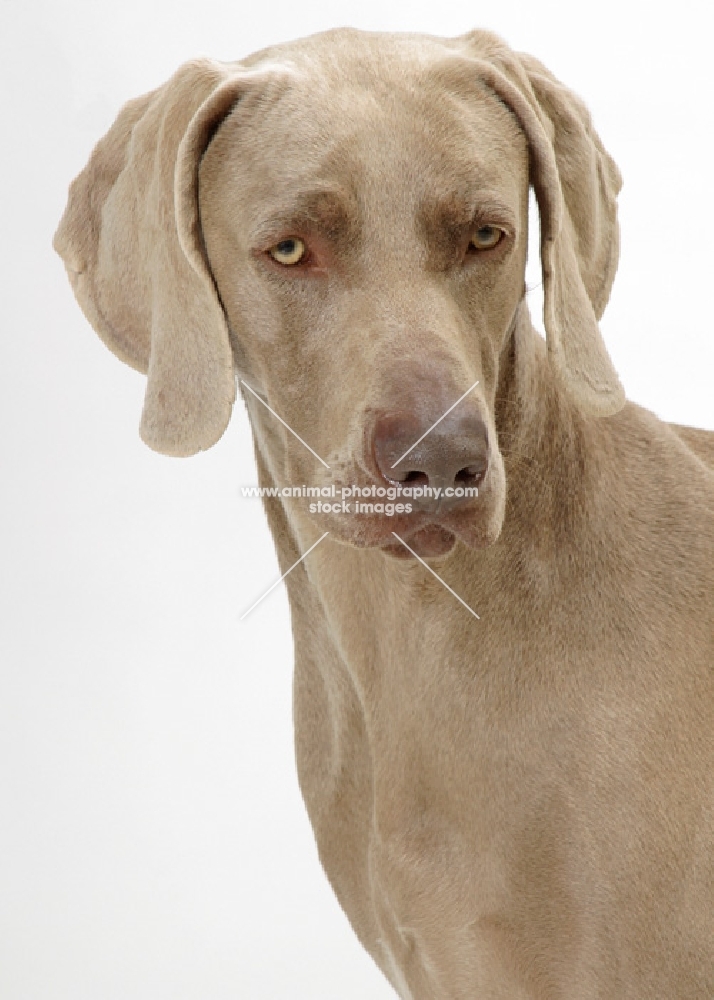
(553, 474)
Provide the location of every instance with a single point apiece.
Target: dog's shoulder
(698, 440)
(639, 431)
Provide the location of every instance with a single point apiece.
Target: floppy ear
(576, 184)
(131, 241)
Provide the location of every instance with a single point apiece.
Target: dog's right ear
(132, 244)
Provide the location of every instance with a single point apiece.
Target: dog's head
(342, 222)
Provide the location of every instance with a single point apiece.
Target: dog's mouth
(426, 534)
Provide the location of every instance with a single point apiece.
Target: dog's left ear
(576, 184)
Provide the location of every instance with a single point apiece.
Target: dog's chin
(428, 542)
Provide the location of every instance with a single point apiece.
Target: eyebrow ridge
(329, 211)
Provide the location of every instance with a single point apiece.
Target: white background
(153, 843)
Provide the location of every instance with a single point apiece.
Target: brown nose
(451, 454)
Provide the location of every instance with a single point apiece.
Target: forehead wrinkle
(425, 136)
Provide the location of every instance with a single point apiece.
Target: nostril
(412, 476)
(471, 475)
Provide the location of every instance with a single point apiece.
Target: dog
(504, 690)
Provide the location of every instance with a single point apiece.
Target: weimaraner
(515, 805)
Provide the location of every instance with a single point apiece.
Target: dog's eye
(485, 238)
(288, 252)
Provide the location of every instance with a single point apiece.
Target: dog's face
(343, 222)
(368, 244)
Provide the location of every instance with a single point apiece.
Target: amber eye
(288, 252)
(485, 238)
